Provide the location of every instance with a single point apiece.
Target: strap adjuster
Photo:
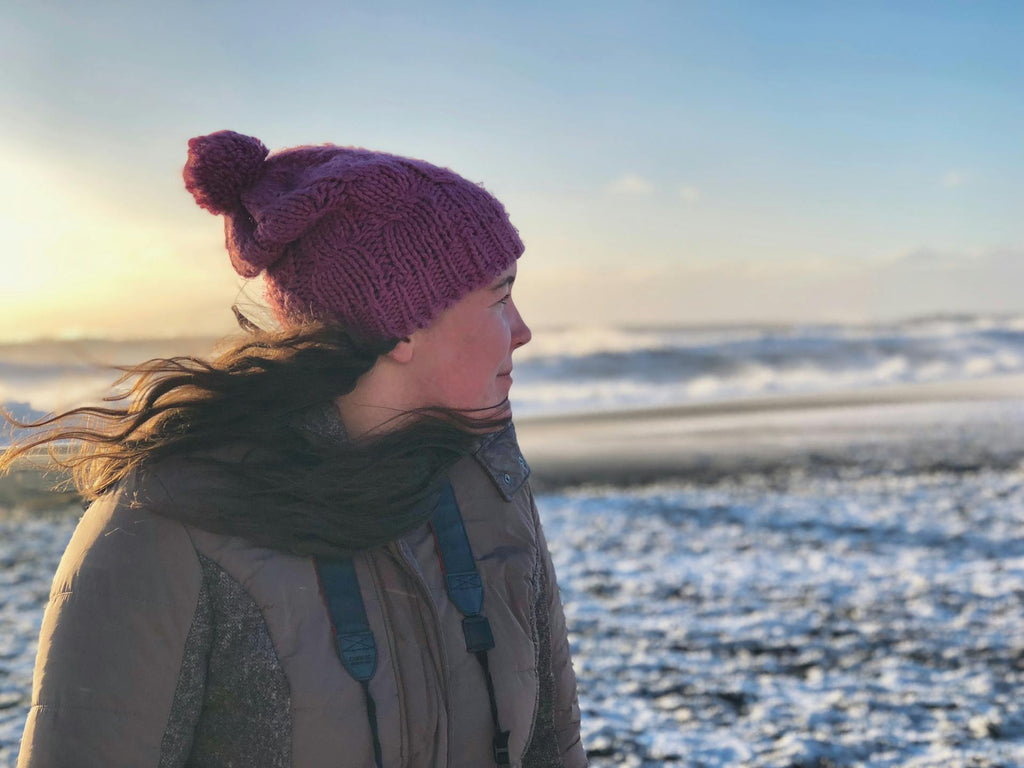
(477, 630)
(501, 756)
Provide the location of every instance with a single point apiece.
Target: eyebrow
(507, 281)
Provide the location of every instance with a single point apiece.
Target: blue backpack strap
(466, 591)
(354, 639)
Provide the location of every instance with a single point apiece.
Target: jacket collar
(500, 456)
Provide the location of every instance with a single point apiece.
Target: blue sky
(674, 162)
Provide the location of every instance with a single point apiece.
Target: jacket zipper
(402, 558)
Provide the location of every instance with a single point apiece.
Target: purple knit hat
(380, 243)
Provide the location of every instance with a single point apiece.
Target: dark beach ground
(831, 580)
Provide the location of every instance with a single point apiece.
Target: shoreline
(994, 388)
(958, 426)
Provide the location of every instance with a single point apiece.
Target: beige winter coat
(165, 645)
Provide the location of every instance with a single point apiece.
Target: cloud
(952, 179)
(963, 258)
(689, 194)
(931, 258)
(631, 184)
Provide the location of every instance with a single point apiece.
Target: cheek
(463, 365)
(499, 342)
(488, 343)
(485, 358)
(481, 359)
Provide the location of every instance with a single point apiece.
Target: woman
(319, 549)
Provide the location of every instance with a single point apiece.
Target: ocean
(868, 612)
(587, 369)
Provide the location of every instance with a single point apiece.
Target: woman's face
(464, 358)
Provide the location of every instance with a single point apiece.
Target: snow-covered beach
(799, 620)
(824, 580)
(787, 578)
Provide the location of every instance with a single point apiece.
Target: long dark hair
(255, 445)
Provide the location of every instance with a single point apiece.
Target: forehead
(491, 290)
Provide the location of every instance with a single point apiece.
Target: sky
(680, 162)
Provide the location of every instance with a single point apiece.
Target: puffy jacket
(166, 645)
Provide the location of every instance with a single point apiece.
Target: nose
(521, 333)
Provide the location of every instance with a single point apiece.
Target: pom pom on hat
(220, 167)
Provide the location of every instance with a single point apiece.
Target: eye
(505, 298)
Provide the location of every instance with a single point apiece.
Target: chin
(500, 408)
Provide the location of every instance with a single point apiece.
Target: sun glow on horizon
(74, 264)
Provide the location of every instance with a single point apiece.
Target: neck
(375, 406)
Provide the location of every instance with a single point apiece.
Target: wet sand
(915, 427)
(960, 425)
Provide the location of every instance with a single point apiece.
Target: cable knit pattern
(380, 243)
